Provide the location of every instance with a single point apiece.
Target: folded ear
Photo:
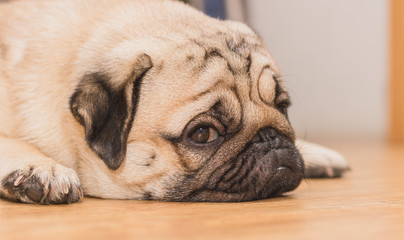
(107, 111)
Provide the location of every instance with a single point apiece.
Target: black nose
(273, 137)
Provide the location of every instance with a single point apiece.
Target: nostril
(272, 133)
(256, 139)
(275, 142)
(263, 135)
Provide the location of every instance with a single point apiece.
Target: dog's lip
(283, 179)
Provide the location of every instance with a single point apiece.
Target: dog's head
(200, 116)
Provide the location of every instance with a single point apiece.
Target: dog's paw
(321, 161)
(43, 184)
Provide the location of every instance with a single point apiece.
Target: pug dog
(147, 100)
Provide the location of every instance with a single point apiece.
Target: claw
(65, 188)
(46, 187)
(19, 180)
(329, 171)
(46, 184)
(79, 192)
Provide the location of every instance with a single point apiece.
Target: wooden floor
(368, 203)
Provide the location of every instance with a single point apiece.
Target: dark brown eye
(204, 135)
(282, 108)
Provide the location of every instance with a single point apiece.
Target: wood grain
(368, 203)
(397, 72)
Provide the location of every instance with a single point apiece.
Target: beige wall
(397, 72)
(334, 56)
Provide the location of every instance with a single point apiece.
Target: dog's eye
(283, 107)
(204, 135)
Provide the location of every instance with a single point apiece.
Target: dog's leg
(27, 175)
(320, 161)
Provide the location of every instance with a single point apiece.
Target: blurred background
(334, 56)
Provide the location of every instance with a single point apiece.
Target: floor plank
(368, 203)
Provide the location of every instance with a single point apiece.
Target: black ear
(106, 111)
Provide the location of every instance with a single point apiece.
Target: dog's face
(185, 119)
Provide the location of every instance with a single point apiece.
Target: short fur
(104, 95)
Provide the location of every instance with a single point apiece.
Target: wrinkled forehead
(237, 60)
(194, 75)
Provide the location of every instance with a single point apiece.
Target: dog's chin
(267, 167)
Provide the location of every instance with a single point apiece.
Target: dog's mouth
(268, 166)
